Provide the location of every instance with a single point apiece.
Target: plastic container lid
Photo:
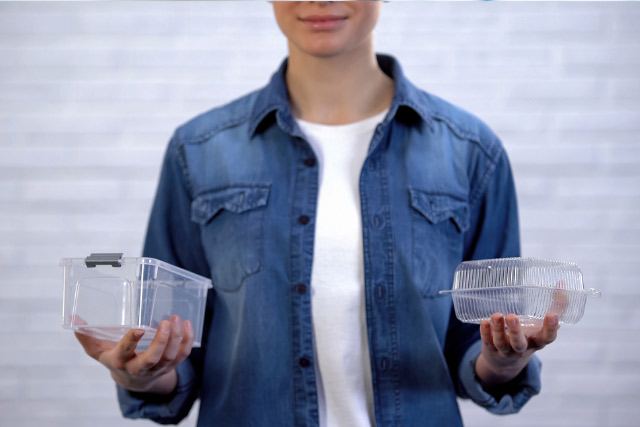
(527, 287)
(105, 296)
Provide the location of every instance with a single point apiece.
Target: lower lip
(325, 25)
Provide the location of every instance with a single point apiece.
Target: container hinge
(114, 260)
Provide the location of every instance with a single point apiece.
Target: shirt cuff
(507, 399)
(164, 409)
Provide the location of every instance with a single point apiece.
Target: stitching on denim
(488, 149)
(390, 273)
(182, 162)
(257, 204)
(219, 127)
(442, 214)
(295, 307)
(439, 193)
(364, 207)
(484, 183)
(413, 245)
(239, 185)
(309, 232)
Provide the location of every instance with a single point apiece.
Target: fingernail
(175, 321)
(553, 320)
(164, 327)
(189, 325)
(137, 334)
(511, 322)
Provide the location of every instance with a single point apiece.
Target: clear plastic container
(527, 287)
(106, 295)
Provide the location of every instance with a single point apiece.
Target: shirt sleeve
(172, 237)
(494, 233)
(507, 399)
(163, 409)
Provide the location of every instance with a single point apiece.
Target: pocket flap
(235, 199)
(437, 207)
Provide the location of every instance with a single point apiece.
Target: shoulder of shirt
(465, 125)
(206, 125)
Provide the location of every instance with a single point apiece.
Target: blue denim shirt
(236, 202)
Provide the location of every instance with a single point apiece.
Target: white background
(91, 92)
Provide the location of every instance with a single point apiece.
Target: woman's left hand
(506, 352)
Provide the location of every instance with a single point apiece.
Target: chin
(325, 49)
(325, 53)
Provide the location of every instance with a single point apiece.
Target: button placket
(379, 266)
(304, 199)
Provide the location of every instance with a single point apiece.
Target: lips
(323, 22)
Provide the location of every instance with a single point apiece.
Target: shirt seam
(484, 182)
(182, 163)
(220, 127)
(469, 135)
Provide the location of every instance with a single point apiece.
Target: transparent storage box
(527, 287)
(106, 295)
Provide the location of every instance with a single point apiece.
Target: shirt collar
(273, 98)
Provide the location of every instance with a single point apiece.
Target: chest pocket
(438, 225)
(232, 230)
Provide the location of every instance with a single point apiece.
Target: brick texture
(91, 92)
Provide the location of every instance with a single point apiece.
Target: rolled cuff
(507, 399)
(163, 409)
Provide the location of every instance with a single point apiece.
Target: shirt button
(301, 289)
(311, 162)
(304, 362)
(304, 220)
(380, 291)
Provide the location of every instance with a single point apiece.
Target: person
(330, 208)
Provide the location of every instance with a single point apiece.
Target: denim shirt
(236, 202)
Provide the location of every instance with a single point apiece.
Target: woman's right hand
(151, 370)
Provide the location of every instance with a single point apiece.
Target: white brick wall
(91, 92)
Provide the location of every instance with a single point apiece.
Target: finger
(549, 331)
(151, 356)
(91, 345)
(76, 320)
(560, 299)
(185, 345)
(173, 344)
(500, 340)
(486, 336)
(517, 339)
(94, 347)
(126, 348)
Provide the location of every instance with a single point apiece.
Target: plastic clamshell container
(106, 299)
(527, 287)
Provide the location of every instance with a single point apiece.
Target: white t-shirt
(343, 369)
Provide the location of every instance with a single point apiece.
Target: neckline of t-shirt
(354, 127)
